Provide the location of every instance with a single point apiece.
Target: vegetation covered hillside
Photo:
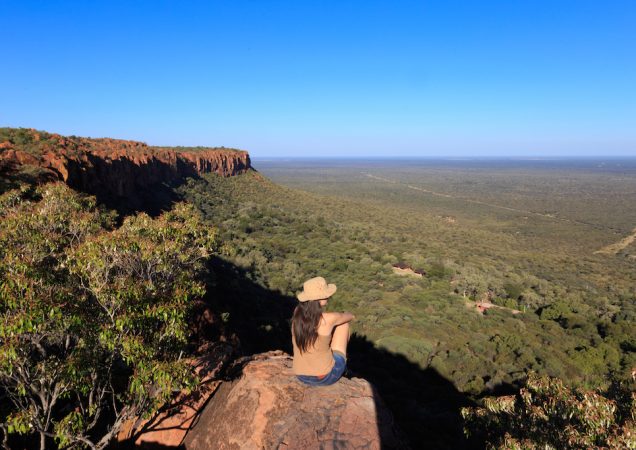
(550, 318)
(94, 318)
(565, 330)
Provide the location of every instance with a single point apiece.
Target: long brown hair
(305, 323)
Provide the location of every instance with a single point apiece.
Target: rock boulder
(266, 407)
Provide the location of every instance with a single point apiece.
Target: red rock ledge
(122, 167)
(268, 408)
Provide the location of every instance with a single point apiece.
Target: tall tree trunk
(5, 437)
(42, 441)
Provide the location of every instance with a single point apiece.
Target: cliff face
(112, 166)
(125, 172)
(124, 175)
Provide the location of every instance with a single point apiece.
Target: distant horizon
(451, 158)
(628, 154)
(514, 157)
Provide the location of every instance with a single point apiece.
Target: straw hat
(316, 289)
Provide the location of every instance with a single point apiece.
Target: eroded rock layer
(114, 166)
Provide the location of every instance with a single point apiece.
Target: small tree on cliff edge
(92, 319)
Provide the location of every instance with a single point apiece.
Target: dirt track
(616, 247)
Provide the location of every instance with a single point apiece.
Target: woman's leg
(340, 338)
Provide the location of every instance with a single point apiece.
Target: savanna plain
(476, 272)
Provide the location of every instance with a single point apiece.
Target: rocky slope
(112, 168)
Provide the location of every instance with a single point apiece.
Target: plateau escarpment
(119, 172)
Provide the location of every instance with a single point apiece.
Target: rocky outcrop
(126, 173)
(113, 167)
(268, 408)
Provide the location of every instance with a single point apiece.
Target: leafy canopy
(548, 415)
(93, 318)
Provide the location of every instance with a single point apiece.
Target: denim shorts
(338, 369)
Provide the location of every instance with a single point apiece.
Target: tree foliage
(548, 415)
(92, 317)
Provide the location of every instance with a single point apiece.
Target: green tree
(548, 415)
(92, 319)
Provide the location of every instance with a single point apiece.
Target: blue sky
(318, 78)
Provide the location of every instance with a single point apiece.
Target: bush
(547, 415)
(92, 319)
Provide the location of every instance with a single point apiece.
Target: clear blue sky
(319, 78)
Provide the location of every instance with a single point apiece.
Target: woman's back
(318, 359)
(322, 336)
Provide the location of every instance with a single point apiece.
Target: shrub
(92, 319)
(547, 415)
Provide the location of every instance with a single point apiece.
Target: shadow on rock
(125, 186)
(13, 176)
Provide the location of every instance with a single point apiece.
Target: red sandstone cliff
(113, 166)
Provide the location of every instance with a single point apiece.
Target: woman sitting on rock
(319, 338)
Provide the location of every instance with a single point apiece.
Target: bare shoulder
(330, 318)
(326, 323)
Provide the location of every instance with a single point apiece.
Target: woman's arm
(334, 318)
